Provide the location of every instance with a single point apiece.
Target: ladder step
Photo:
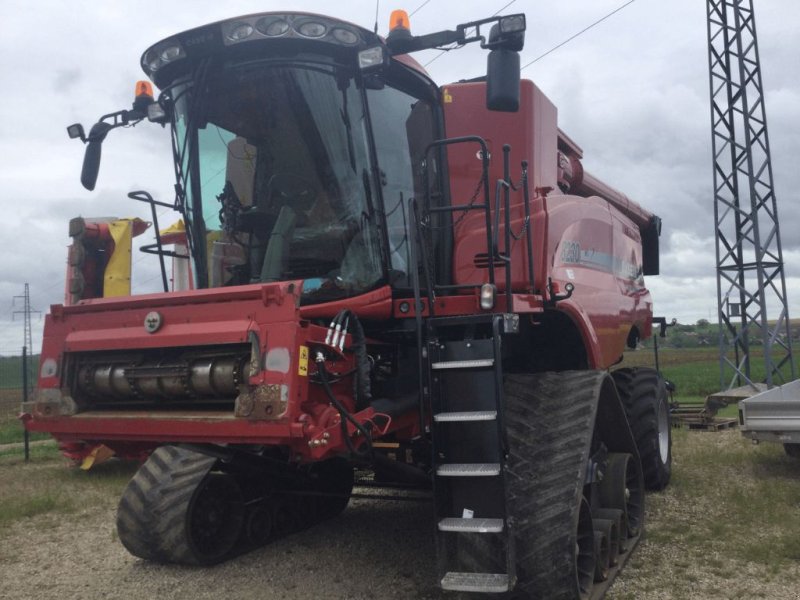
(471, 525)
(477, 363)
(469, 470)
(493, 583)
(472, 415)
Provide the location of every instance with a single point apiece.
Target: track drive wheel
(215, 517)
(644, 397)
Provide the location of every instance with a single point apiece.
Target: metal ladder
(473, 532)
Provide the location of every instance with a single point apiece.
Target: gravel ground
(372, 551)
(384, 550)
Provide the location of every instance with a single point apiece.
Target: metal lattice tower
(26, 316)
(750, 277)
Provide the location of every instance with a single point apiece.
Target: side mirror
(91, 159)
(502, 80)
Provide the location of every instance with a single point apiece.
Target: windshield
(274, 161)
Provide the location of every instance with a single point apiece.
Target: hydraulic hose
(344, 414)
(337, 331)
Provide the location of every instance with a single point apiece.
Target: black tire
(549, 420)
(792, 450)
(644, 396)
(175, 510)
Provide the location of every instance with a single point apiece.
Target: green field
(694, 371)
(11, 371)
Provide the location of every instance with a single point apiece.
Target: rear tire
(644, 396)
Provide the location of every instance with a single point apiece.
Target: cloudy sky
(633, 91)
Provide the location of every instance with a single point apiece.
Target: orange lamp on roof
(144, 88)
(399, 20)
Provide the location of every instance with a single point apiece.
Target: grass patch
(736, 499)
(16, 454)
(49, 486)
(724, 528)
(27, 506)
(12, 432)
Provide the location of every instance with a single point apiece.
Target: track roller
(616, 516)
(610, 532)
(602, 556)
(622, 487)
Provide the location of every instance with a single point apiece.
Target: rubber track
(549, 419)
(152, 511)
(637, 389)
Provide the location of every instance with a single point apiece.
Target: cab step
(471, 525)
(478, 363)
(464, 416)
(468, 470)
(488, 583)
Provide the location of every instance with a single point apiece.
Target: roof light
(345, 36)
(171, 52)
(152, 61)
(312, 29)
(399, 20)
(161, 54)
(240, 31)
(272, 27)
(371, 58)
(512, 23)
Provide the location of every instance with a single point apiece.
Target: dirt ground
(372, 551)
(384, 550)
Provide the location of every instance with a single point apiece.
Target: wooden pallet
(704, 424)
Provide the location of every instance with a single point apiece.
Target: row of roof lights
(274, 27)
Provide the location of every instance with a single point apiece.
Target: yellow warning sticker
(446, 97)
(302, 362)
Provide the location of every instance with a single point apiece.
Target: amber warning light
(399, 20)
(144, 88)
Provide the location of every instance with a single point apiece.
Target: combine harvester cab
(379, 274)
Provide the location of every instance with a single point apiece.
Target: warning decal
(302, 362)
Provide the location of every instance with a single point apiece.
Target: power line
(419, 8)
(582, 31)
(497, 12)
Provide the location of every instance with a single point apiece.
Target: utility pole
(26, 311)
(750, 277)
(27, 349)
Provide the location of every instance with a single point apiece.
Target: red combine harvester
(367, 288)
